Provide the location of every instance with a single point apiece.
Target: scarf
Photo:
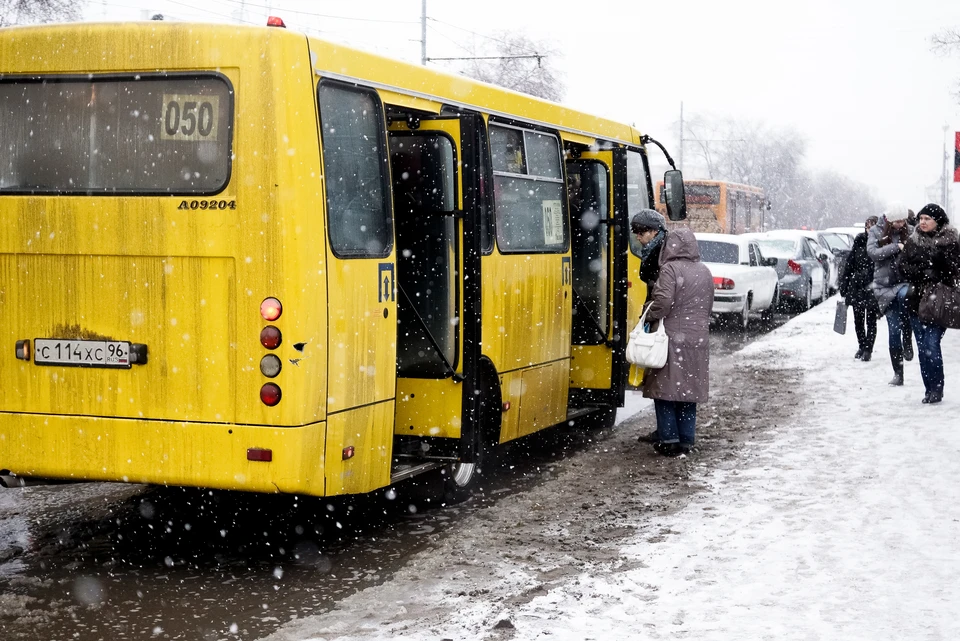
(647, 249)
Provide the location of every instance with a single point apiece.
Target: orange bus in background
(719, 207)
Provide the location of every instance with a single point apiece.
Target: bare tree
(16, 12)
(753, 153)
(946, 42)
(517, 62)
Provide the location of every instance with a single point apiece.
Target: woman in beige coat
(682, 301)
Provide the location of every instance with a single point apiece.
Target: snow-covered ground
(842, 522)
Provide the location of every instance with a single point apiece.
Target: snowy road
(794, 520)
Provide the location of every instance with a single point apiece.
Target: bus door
(361, 290)
(598, 247)
(426, 153)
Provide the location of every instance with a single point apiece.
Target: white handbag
(647, 349)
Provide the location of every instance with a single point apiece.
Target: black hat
(936, 212)
(646, 219)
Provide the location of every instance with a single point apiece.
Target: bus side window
(355, 171)
(528, 190)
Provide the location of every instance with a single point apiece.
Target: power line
(320, 15)
(454, 42)
(213, 13)
(503, 42)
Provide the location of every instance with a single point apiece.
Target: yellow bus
(719, 207)
(243, 258)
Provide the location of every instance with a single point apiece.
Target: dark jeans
(897, 319)
(928, 351)
(865, 314)
(676, 421)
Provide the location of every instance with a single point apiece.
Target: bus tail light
(270, 394)
(348, 452)
(274, 21)
(794, 266)
(270, 366)
(270, 337)
(259, 454)
(722, 283)
(271, 309)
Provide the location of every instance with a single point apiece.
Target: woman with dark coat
(931, 255)
(854, 286)
(682, 301)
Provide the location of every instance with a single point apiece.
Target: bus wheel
(461, 480)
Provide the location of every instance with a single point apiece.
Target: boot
(867, 355)
(896, 358)
(859, 354)
(907, 343)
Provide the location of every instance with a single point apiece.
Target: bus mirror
(674, 195)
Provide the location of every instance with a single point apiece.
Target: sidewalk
(841, 523)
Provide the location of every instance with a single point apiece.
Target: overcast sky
(856, 77)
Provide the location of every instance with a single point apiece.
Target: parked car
(849, 233)
(803, 278)
(744, 280)
(828, 258)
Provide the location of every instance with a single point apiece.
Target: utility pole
(423, 33)
(944, 184)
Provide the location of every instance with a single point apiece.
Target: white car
(743, 280)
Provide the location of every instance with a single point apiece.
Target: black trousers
(865, 314)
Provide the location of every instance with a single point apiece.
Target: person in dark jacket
(884, 242)
(854, 286)
(682, 301)
(931, 255)
(650, 230)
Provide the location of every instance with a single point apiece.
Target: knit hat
(646, 219)
(936, 212)
(896, 212)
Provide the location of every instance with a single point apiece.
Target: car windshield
(778, 248)
(712, 251)
(836, 241)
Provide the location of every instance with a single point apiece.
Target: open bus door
(596, 190)
(437, 190)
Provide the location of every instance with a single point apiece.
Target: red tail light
(722, 283)
(270, 337)
(270, 394)
(271, 309)
(794, 266)
(274, 21)
(259, 454)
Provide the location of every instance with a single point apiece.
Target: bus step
(403, 472)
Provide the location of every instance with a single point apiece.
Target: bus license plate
(78, 353)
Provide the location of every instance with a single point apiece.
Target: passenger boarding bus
(719, 207)
(242, 258)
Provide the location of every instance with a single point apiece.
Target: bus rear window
(143, 134)
(717, 252)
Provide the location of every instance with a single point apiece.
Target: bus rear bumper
(163, 452)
